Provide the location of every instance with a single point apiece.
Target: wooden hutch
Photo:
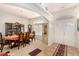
(13, 28)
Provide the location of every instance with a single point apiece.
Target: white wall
(4, 17)
(77, 32)
(51, 34)
(38, 29)
(37, 25)
(60, 33)
(65, 32)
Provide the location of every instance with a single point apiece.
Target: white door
(69, 33)
(65, 32)
(59, 32)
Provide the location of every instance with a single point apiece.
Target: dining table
(11, 39)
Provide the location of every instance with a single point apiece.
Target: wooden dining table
(10, 39)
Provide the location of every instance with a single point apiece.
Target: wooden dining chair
(1, 42)
(32, 35)
(28, 37)
(25, 37)
(20, 39)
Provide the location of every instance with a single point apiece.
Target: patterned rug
(35, 52)
(61, 50)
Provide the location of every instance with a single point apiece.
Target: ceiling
(61, 11)
(58, 10)
(55, 7)
(18, 11)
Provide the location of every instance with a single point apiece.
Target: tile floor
(23, 51)
(71, 51)
(46, 50)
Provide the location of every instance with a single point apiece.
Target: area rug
(61, 50)
(35, 52)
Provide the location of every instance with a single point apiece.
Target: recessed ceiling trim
(17, 10)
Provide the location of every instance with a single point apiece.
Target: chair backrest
(28, 35)
(1, 40)
(34, 32)
(21, 36)
(25, 35)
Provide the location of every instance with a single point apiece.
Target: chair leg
(18, 45)
(29, 42)
(2, 46)
(34, 38)
(23, 44)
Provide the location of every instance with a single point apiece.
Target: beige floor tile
(23, 51)
(46, 50)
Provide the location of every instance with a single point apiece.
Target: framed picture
(78, 25)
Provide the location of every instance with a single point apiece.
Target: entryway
(65, 32)
(42, 32)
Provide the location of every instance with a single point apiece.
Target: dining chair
(28, 37)
(25, 37)
(32, 35)
(20, 39)
(1, 42)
